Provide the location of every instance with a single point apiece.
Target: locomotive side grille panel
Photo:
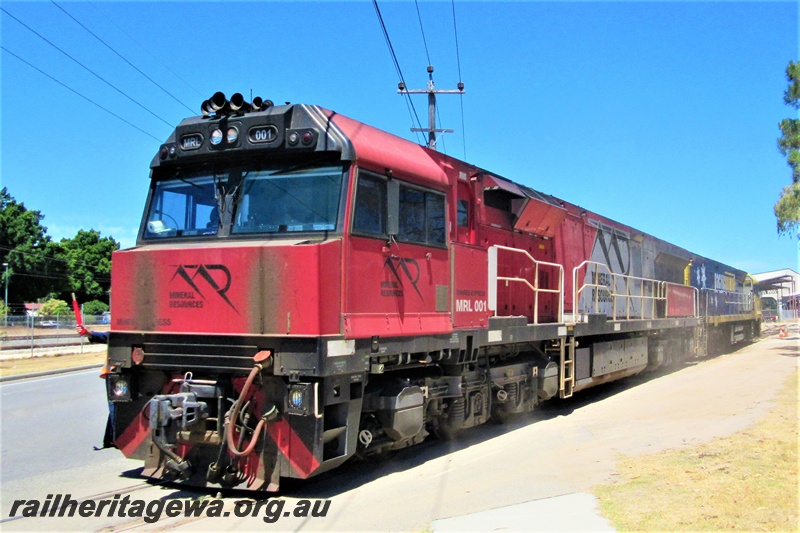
(204, 356)
(229, 350)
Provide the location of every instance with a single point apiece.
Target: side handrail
(741, 302)
(494, 279)
(658, 289)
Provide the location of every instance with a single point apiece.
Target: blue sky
(662, 116)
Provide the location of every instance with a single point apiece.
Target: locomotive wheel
(448, 427)
(446, 431)
(370, 427)
(507, 403)
(380, 456)
(500, 415)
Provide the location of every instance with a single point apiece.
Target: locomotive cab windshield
(277, 199)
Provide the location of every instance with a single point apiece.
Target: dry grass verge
(748, 481)
(15, 367)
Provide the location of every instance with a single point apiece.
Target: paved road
(61, 415)
(565, 449)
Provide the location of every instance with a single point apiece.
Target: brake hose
(235, 415)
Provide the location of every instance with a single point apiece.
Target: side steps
(566, 366)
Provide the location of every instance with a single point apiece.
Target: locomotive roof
(369, 147)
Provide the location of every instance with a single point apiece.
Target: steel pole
(5, 301)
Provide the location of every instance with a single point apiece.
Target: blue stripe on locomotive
(721, 287)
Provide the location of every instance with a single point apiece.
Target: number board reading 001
(263, 134)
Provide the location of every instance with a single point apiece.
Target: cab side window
(463, 213)
(370, 210)
(434, 209)
(422, 216)
(420, 213)
(412, 215)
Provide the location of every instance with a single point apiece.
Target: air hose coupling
(229, 437)
(271, 414)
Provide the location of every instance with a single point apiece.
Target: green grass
(748, 481)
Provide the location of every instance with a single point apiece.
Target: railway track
(118, 523)
(95, 497)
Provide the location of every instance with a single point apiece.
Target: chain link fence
(17, 327)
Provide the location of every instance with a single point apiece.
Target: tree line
(42, 270)
(787, 209)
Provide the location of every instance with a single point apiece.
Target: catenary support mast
(431, 91)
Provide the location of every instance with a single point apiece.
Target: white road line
(44, 378)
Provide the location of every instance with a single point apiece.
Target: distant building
(32, 309)
(780, 294)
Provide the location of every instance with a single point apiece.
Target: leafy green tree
(28, 251)
(88, 261)
(55, 307)
(787, 209)
(95, 307)
(39, 267)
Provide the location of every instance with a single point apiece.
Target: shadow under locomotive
(364, 471)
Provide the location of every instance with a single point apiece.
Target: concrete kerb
(568, 512)
(50, 372)
(61, 351)
(25, 352)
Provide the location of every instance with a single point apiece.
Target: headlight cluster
(300, 399)
(231, 136)
(118, 387)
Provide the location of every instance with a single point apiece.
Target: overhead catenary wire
(65, 275)
(444, 145)
(455, 32)
(148, 52)
(79, 94)
(434, 115)
(430, 69)
(120, 91)
(422, 31)
(44, 274)
(46, 257)
(409, 103)
(461, 97)
(137, 69)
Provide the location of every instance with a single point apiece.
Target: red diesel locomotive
(306, 288)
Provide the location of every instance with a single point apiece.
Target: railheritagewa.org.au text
(65, 506)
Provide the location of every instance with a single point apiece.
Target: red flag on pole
(77, 310)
